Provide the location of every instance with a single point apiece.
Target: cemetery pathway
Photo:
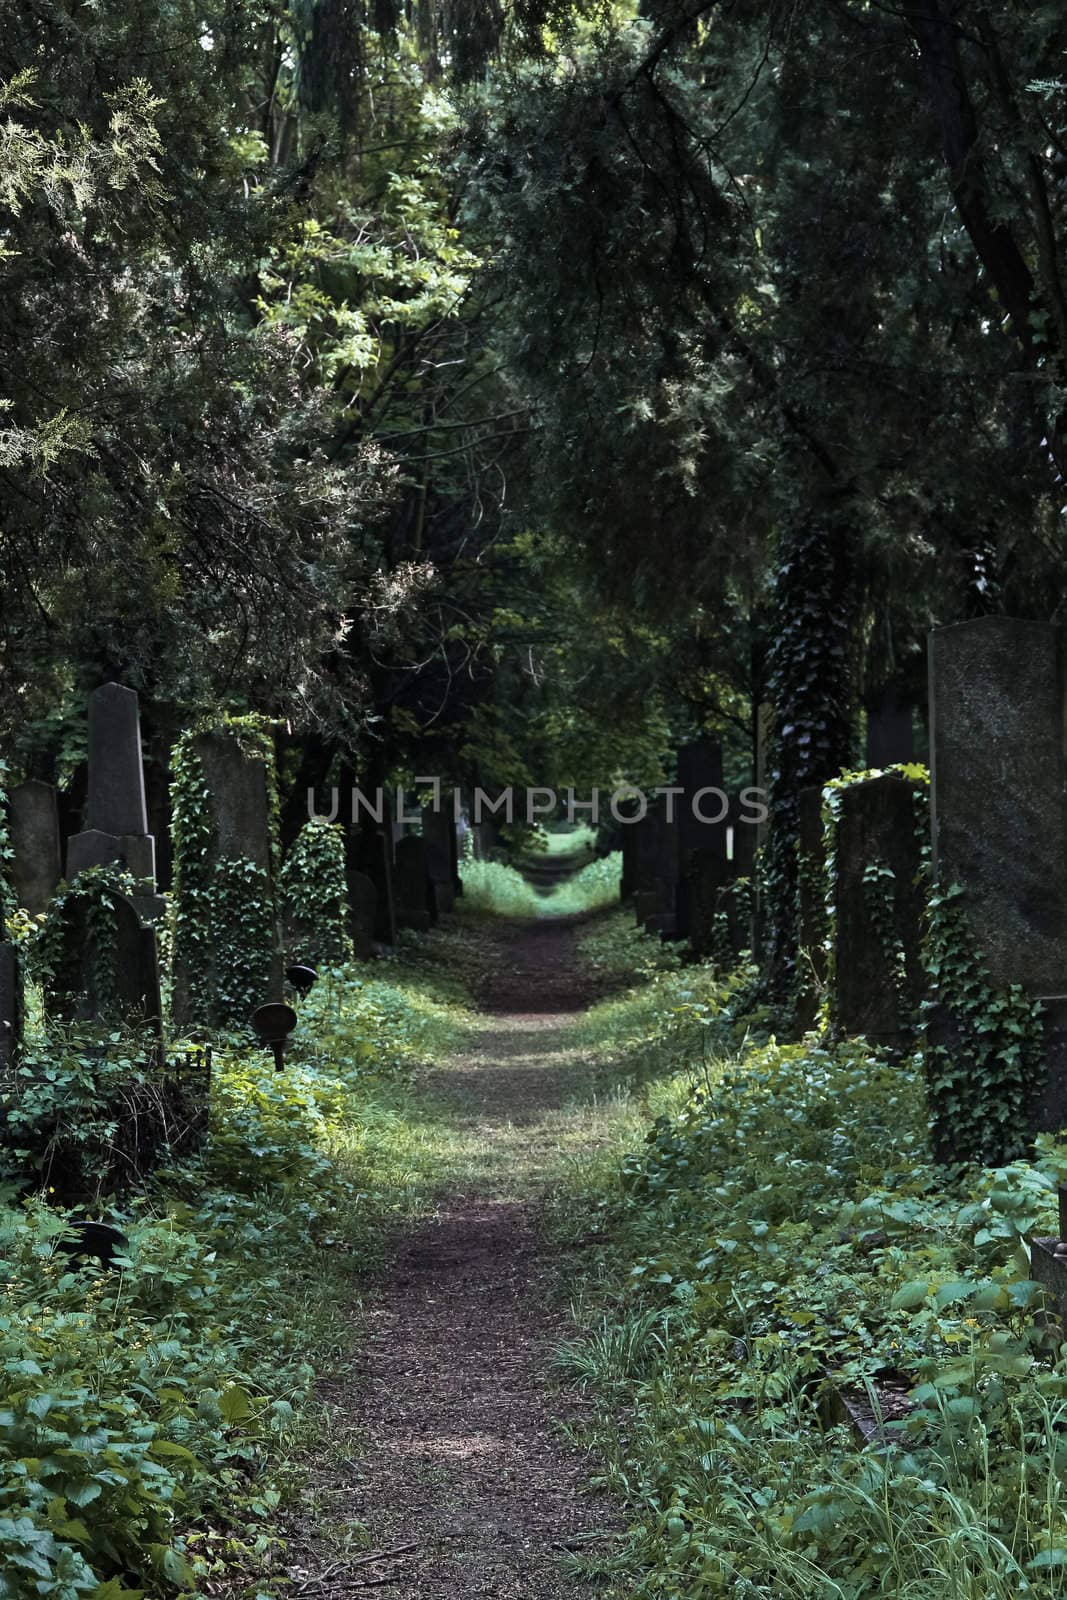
(452, 1459)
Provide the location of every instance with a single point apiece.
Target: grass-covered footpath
(744, 1229)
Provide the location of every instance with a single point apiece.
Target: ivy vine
(223, 911)
(73, 953)
(315, 894)
(982, 1046)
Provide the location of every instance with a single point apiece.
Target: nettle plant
(224, 912)
(315, 895)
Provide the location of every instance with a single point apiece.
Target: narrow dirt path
(457, 1469)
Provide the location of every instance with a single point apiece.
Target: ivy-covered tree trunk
(811, 688)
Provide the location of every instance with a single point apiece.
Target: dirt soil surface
(458, 1469)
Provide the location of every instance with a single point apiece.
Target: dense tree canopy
(531, 388)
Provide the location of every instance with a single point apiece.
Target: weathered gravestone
(369, 854)
(811, 906)
(442, 860)
(106, 964)
(628, 833)
(998, 737)
(876, 928)
(37, 863)
(655, 902)
(116, 818)
(702, 809)
(228, 945)
(415, 907)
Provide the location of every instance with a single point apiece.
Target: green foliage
(792, 1241)
(89, 1111)
(151, 1413)
(315, 895)
(72, 954)
(224, 916)
(984, 1048)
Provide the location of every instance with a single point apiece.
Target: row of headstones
(393, 881)
(684, 849)
(998, 828)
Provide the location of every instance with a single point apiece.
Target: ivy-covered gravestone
(997, 1039)
(315, 896)
(98, 961)
(227, 935)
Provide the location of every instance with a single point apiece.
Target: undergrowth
(153, 1414)
(783, 1247)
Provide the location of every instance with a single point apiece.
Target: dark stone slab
(702, 810)
(415, 900)
(699, 896)
(1049, 1111)
(878, 981)
(744, 838)
(116, 801)
(439, 837)
(369, 853)
(999, 798)
(37, 865)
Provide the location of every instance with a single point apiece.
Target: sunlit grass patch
(494, 887)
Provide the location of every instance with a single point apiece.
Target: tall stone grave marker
(116, 818)
(442, 859)
(37, 864)
(702, 810)
(998, 738)
(220, 951)
(415, 905)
